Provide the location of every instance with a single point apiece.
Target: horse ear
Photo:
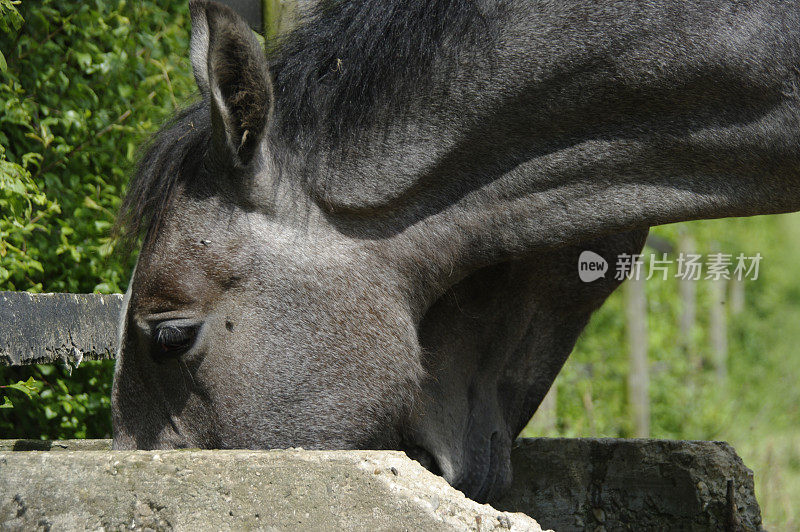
(231, 70)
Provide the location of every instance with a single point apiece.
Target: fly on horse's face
(371, 240)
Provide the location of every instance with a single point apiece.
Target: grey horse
(367, 237)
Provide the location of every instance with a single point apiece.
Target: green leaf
(89, 202)
(7, 403)
(30, 387)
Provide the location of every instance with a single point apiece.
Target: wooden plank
(68, 328)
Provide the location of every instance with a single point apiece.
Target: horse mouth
(483, 476)
(425, 458)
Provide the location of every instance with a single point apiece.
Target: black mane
(347, 65)
(350, 64)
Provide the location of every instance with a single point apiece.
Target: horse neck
(575, 124)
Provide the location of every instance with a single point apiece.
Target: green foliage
(73, 404)
(29, 387)
(687, 399)
(82, 84)
(25, 210)
(757, 408)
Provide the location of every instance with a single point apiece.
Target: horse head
(369, 238)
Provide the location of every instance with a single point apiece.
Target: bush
(81, 86)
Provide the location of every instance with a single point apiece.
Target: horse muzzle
(481, 469)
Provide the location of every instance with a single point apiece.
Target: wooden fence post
(719, 326)
(687, 291)
(737, 296)
(546, 417)
(252, 11)
(279, 16)
(638, 375)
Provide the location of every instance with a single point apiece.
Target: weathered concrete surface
(234, 490)
(613, 484)
(566, 484)
(43, 328)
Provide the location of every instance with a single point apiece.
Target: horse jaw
(494, 344)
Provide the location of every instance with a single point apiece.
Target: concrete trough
(563, 484)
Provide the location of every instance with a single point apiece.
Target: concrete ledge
(234, 490)
(613, 484)
(68, 328)
(566, 484)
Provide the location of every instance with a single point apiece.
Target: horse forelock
(171, 155)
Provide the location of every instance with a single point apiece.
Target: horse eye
(173, 340)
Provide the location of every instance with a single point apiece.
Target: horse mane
(347, 65)
(351, 64)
